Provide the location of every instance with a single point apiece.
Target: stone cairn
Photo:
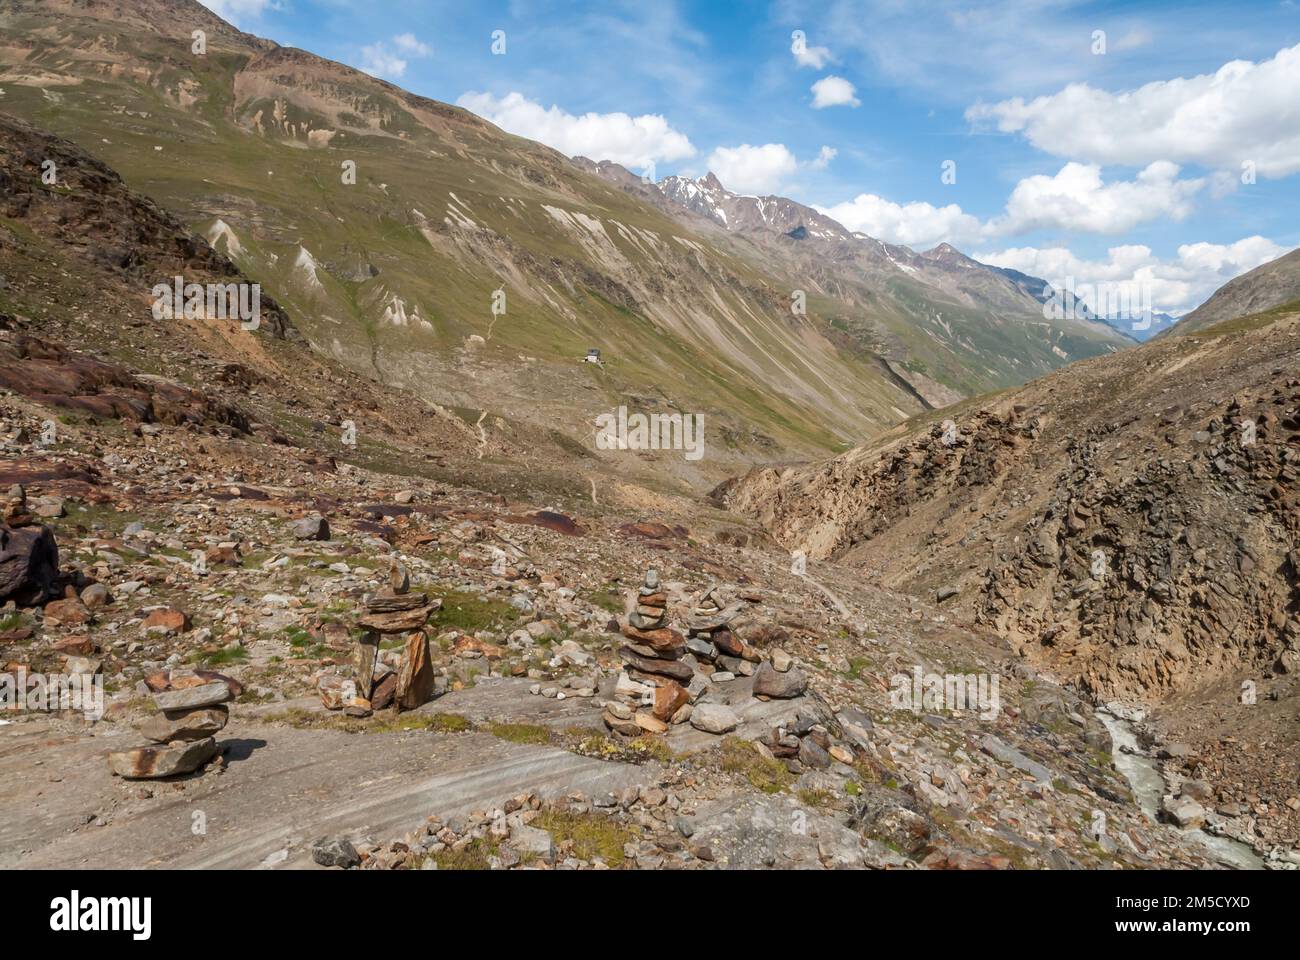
(393, 610)
(191, 711)
(654, 677)
(710, 639)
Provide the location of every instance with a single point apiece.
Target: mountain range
(385, 224)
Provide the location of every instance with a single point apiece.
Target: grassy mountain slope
(1272, 285)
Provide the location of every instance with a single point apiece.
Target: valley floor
(512, 762)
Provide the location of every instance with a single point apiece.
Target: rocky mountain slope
(385, 224)
(943, 323)
(1272, 285)
(1128, 523)
(215, 541)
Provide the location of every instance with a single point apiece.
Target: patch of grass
(818, 799)
(471, 612)
(603, 747)
(473, 857)
(11, 621)
(607, 599)
(591, 834)
(522, 733)
(223, 657)
(436, 722)
(858, 667)
(768, 775)
(387, 722)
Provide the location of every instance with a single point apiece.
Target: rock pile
(393, 610)
(192, 710)
(720, 652)
(653, 674)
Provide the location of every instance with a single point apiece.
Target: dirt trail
(282, 788)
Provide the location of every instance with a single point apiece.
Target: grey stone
(335, 852)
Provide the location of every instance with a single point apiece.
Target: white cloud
(824, 156)
(1177, 285)
(834, 92)
(1244, 112)
(635, 142)
(919, 225)
(806, 56)
(1077, 199)
(408, 43)
(379, 61)
(753, 170)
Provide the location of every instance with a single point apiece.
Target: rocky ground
(211, 519)
(189, 555)
(1128, 524)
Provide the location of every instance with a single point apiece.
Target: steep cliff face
(1129, 521)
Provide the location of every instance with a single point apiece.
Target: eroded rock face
(29, 565)
(56, 376)
(1134, 544)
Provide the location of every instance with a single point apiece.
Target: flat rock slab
(192, 698)
(757, 717)
(751, 831)
(282, 788)
(162, 760)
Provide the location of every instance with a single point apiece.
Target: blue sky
(1123, 155)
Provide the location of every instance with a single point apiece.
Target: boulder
(191, 725)
(192, 698)
(714, 718)
(166, 620)
(66, 613)
(311, 528)
(335, 852)
(673, 669)
(335, 691)
(415, 679)
(769, 682)
(533, 843)
(669, 698)
(151, 763)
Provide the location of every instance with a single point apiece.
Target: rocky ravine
(1128, 523)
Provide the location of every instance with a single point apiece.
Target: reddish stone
(665, 641)
(66, 613)
(167, 620)
(415, 681)
(669, 698)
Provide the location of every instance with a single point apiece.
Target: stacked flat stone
(654, 677)
(183, 732)
(393, 610)
(710, 639)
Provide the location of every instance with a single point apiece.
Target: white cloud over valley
(635, 142)
(1177, 284)
(379, 60)
(834, 92)
(1245, 112)
(753, 170)
(1076, 198)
